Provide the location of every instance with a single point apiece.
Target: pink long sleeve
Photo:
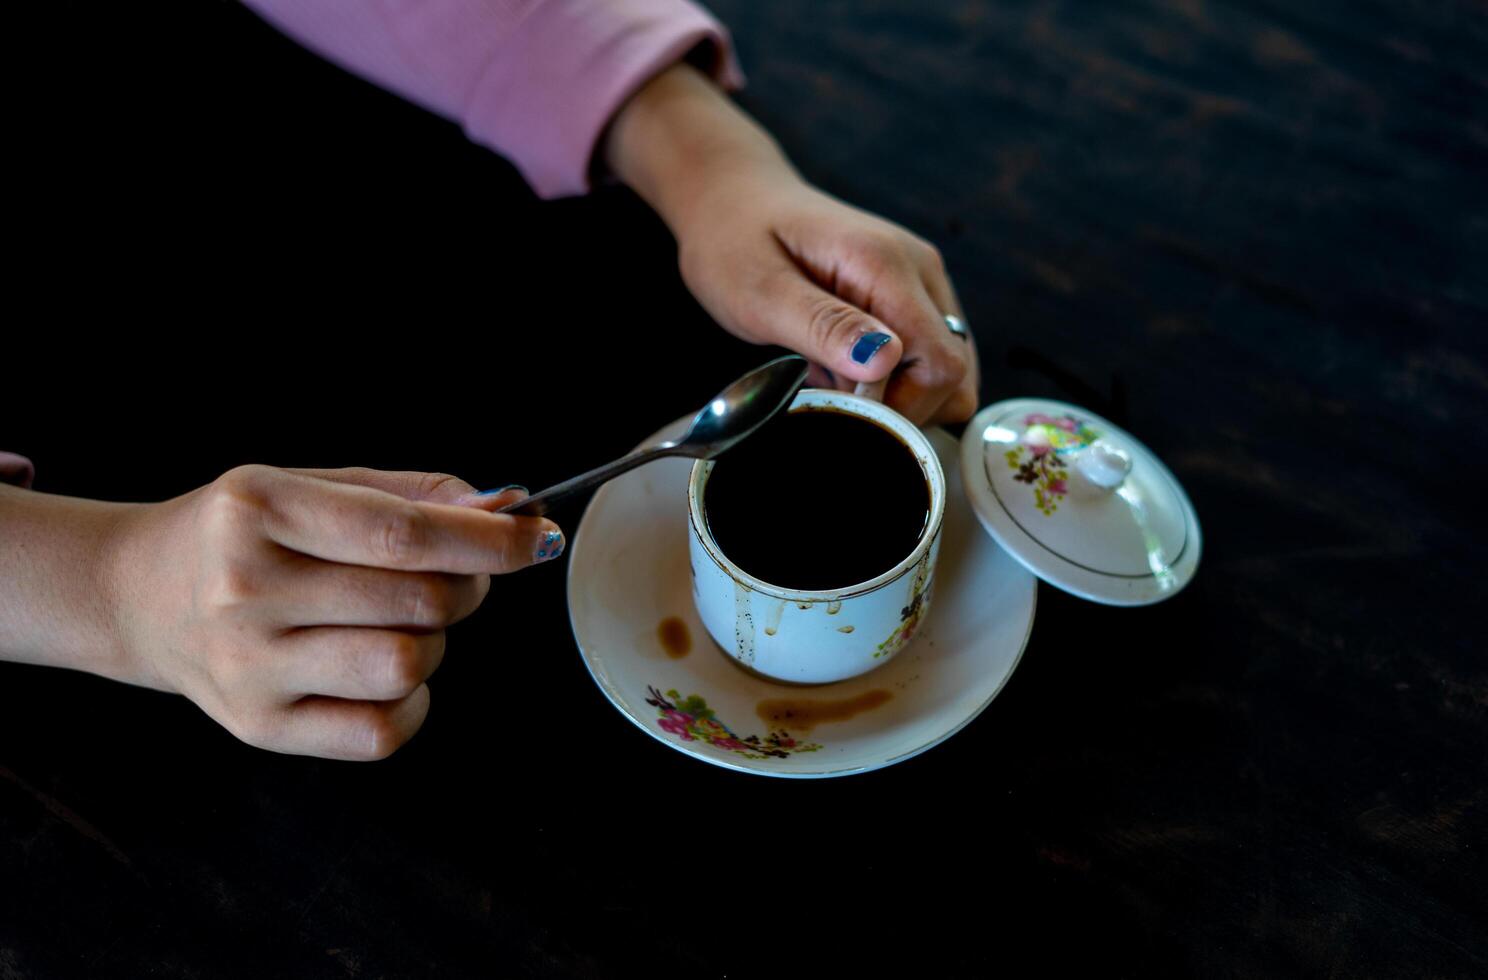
(16, 469)
(534, 80)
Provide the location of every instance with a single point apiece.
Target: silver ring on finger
(957, 326)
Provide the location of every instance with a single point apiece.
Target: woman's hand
(304, 609)
(775, 260)
(778, 262)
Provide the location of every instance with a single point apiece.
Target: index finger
(936, 361)
(962, 405)
(360, 525)
(438, 488)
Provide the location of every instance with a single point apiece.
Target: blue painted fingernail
(509, 486)
(551, 545)
(868, 345)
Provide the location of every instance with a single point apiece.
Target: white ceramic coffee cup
(819, 636)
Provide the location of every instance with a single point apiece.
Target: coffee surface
(816, 500)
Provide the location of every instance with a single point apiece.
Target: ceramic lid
(1081, 503)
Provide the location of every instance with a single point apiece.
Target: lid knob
(1103, 466)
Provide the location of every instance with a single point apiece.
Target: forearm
(56, 581)
(678, 133)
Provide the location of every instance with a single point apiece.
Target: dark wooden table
(1253, 233)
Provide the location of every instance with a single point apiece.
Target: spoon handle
(541, 502)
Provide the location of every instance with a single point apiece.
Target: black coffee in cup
(817, 499)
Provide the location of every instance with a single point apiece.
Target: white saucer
(628, 572)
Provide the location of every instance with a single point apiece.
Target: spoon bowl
(741, 408)
(732, 415)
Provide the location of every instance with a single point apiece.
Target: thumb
(852, 344)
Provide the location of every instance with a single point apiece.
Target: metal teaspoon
(733, 414)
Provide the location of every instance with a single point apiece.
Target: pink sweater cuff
(569, 67)
(16, 469)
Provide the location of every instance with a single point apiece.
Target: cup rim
(872, 411)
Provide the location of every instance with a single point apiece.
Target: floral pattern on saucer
(1047, 440)
(692, 720)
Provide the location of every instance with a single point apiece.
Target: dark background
(1255, 234)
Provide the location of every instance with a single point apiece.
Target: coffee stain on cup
(773, 616)
(743, 623)
(804, 714)
(844, 629)
(834, 606)
(674, 636)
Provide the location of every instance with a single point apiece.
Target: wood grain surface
(1255, 234)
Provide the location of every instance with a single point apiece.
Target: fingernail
(868, 345)
(551, 545)
(509, 486)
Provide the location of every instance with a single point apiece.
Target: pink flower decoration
(1039, 449)
(1067, 424)
(732, 744)
(676, 722)
(1037, 418)
(1057, 487)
